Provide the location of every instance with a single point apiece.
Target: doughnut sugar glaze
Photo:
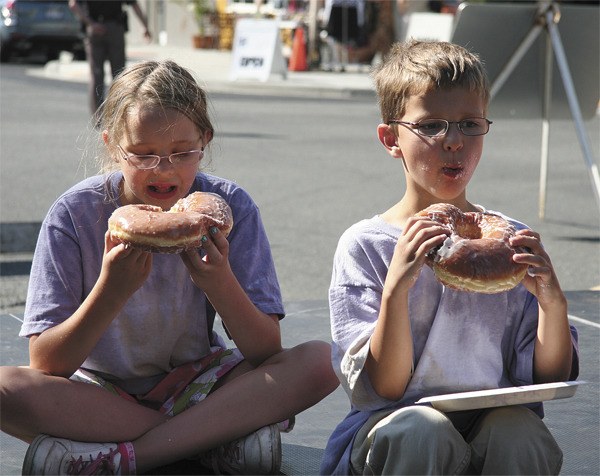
(150, 228)
(477, 255)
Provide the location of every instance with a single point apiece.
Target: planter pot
(203, 41)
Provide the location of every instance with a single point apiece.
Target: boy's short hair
(415, 67)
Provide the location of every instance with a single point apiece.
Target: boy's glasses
(145, 162)
(473, 126)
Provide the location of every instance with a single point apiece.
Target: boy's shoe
(256, 453)
(49, 455)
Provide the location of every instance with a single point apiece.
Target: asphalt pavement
(573, 231)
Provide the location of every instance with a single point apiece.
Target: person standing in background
(344, 20)
(105, 24)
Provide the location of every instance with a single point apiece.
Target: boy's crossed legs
(422, 440)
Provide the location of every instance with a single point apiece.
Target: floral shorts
(182, 388)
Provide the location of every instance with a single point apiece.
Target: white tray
(502, 397)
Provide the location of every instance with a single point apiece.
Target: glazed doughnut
(150, 228)
(477, 255)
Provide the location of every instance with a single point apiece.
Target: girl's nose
(164, 165)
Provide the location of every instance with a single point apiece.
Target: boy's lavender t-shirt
(164, 323)
(462, 341)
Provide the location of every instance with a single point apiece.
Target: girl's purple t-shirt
(164, 323)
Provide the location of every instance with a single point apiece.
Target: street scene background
(306, 149)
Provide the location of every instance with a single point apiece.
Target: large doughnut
(477, 255)
(150, 228)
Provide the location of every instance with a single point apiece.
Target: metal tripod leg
(561, 61)
(547, 20)
(514, 60)
(545, 129)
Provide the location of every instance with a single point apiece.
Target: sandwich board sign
(257, 50)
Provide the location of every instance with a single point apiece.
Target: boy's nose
(453, 139)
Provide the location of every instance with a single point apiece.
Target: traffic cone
(298, 58)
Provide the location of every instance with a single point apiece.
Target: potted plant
(203, 11)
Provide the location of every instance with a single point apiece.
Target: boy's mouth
(452, 171)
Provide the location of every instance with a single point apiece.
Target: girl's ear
(388, 138)
(106, 141)
(208, 135)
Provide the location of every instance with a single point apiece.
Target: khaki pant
(422, 440)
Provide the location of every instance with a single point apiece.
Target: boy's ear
(388, 138)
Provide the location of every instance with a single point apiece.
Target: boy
(399, 335)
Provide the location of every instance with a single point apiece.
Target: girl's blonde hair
(164, 84)
(415, 67)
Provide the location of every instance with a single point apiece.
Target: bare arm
(79, 13)
(390, 360)
(92, 27)
(62, 349)
(553, 352)
(255, 333)
(140, 14)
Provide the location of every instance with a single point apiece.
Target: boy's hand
(124, 269)
(420, 235)
(540, 280)
(206, 270)
(553, 353)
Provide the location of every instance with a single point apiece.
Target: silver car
(44, 27)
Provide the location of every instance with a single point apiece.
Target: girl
(121, 341)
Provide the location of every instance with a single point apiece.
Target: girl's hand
(540, 280)
(124, 269)
(60, 350)
(420, 235)
(208, 270)
(254, 333)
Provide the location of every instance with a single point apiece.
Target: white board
(430, 26)
(482, 28)
(502, 397)
(257, 50)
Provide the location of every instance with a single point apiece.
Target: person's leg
(116, 48)
(513, 440)
(334, 48)
(286, 384)
(96, 55)
(412, 440)
(34, 402)
(283, 386)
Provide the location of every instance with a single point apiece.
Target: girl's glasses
(145, 162)
(473, 126)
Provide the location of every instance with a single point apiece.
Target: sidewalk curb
(212, 68)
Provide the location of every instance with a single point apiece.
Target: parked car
(39, 26)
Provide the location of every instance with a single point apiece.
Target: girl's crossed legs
(242, 401)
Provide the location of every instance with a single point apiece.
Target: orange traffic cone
(298, 58)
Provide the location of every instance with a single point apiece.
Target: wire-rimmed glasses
(472, 126)
(146, 162)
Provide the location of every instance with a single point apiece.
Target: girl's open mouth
(162, 192)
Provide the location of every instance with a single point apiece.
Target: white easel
(547, 19)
